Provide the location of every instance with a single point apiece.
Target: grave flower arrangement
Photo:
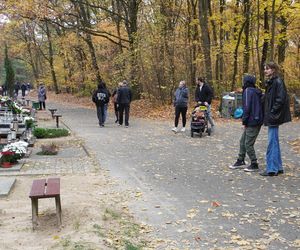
(29, 122)
(14, 106)
(7, 156)
(14, 151)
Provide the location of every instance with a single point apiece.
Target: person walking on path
(124, 97)
(23, 88)
(277, 112)
(181, 98)
(114, 98)
(106, 104)
(204, 96)
(42, 96)
(17, 88)
(100, 98)
(252, 120)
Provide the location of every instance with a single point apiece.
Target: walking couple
(121, 98)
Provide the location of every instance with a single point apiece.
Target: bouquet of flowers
(17, 148)
(29, 122)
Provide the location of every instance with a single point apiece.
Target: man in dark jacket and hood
(100, 98)
(252, 120)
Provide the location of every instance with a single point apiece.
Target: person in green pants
(252, 120)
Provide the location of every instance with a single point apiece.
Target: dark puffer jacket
(277, 105)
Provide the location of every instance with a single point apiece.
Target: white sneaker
(175, 130)
(183, 129)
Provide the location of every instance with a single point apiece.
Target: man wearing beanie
(252, 121)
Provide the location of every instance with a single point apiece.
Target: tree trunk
(265, 46)
(272, 42)
(258, 35)
(283, 37)
(246, 33)
(51, 59)
(203, 19)
(131, 8)
(85, 22)
(194, 36)
(215, 41)
(235, 58)
(221, 37)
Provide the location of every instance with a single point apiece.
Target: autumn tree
(9, 74)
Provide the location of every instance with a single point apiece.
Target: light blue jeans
(210, 120)
(273, 156)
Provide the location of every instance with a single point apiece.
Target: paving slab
(6, 184)
(16, 167)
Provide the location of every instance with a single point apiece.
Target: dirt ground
(94, 217)
(95, 214)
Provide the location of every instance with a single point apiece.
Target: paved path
(177, 182)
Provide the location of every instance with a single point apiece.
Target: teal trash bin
(35, 105)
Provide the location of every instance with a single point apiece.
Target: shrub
(51, 149)
(50, 132)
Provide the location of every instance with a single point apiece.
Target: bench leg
(57, 121)
(58, 209)
(35, 208)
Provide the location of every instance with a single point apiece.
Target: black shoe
(265, 173)
(280, 172)
(116, 121)
(238, 164)
(253, 167)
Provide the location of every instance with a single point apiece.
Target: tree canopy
(71, 45)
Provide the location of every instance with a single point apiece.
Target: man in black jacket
(100, 98)
(277, 112)
(123, 99)
(204, 95)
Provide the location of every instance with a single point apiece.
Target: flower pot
(6, 164)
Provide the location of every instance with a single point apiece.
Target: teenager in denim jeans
(277, 112)
(252, 121)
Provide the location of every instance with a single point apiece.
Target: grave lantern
(9, 136)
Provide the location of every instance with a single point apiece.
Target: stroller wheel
(208, 131)
(200, 133)
(192, 133)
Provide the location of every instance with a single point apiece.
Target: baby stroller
(199, 123)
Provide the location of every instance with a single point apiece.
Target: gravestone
(6, 184)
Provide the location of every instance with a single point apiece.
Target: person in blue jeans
(277, 112)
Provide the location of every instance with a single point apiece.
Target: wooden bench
(28, 102)
(57, 119)
(45, 188)
(52, 112)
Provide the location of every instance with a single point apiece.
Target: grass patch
(50, 132)
(109, 213)
(68, 244)
(130, 246)
(98, 230)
